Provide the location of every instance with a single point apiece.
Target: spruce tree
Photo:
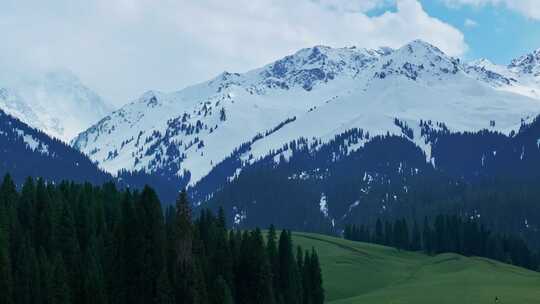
(153, 242)
(288, 272)
(164, 290)
(300, 267)
(60, 292)
(6, 283)
(272, 251)
(416, 241)
(221, 292)
(68, 246)
(307, 281)
(427, 237)
(379, 238)
(317, 292)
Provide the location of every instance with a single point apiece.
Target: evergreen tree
(153, 243)
(317, 291)
(46, 272)
(164, 290)
(416, 241)
(86, 244)
(222, 292)
(427, 237)
(60, 289)
(379, 238)
(272, 251)
(289, 277)
(307, 281)
(6, 284)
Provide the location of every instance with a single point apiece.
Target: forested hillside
(25, 151)
(312, 186)
(78, 243)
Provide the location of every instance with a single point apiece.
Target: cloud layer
(123, 47)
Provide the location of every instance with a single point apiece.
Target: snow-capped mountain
(313, 94)
(521, 76)
(55, 102)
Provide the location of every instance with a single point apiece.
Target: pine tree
(300, 267)
(272, 251)
(254, 278)
(185, 268)
(221, 292)
(153, 237)
(164, 290)
(307, 281)
(388, 234)
(35, 278)
(46, 272)
(416, 242)
(317, 292)
(60, 289)
(288, 272)
(6, 283)
(94, 285)
(68, 246)
(427, 238)
(379, 238)
(183, 229)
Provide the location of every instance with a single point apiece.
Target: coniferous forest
(447, 233)
(78, 243)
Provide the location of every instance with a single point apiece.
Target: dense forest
(322, 187)
(447, 234)
(79, 243)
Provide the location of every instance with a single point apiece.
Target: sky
(122, 48)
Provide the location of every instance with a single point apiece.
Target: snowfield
(316, 94)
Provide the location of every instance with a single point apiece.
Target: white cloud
(528, 8)
(470, 23)
(353, 5)
(123, 47)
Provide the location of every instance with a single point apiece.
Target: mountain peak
(527, 64)
(419, 45)
(319, 64)
(415, 60)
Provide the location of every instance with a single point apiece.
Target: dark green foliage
(289, 277)
(70, 243)
(317, 292)
(451, 234)
(6, 284)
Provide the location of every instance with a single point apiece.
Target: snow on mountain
(26, 151)
(55, 102)
(521, 76)
(315, 93)
(528, 64)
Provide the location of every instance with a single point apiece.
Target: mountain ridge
(185, 131)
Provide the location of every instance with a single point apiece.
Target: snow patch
(323, 205)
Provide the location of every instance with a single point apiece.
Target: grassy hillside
(370, 274)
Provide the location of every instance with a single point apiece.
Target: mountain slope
(25, 151)
(55, 102)
(521, 76)
(315, 93)
(364, 273)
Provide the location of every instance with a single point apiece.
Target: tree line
(79, 243)
(446, 233)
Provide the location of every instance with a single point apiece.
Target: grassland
(370, 274)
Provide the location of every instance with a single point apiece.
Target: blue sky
(122, 48)
(500, 34)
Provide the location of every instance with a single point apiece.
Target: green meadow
(363, 273)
